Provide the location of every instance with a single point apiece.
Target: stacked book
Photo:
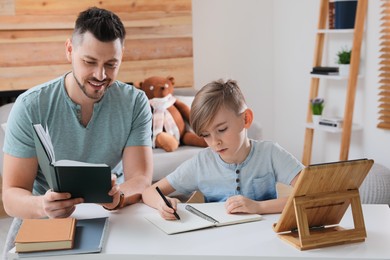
(325, 70)
(332, 122)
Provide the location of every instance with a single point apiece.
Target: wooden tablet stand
(318, 202)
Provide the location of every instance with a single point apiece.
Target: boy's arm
(151, 198)
(241, 204)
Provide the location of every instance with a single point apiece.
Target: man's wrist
(120, 203)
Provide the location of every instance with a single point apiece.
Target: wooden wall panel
(32, 37)
(131, 71)
(143, 49)
(23, 7)
(7, 7)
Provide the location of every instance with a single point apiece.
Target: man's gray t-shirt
(121, 118)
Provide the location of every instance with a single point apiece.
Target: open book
(87, 180)
(195, 216)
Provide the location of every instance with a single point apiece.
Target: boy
(233, 168)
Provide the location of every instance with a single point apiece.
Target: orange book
(45, 234)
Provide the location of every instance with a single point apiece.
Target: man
(91, 117)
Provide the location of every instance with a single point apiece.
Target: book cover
(345, 14)
(211, 215)
(87, 180)
(324, 73)
(89, 238)
(325, 69)
(45, 234)
(331, 14)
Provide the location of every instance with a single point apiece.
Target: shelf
(331, 129)
(335, 31)
(355, 35)
(336, 77)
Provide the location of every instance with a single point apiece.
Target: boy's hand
(165, 211)
(241, 204)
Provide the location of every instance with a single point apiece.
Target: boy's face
(227, 136)
(95, 63)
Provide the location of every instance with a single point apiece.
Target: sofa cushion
(375, 188)
(166, 162)
(4, 112)
(186, 99)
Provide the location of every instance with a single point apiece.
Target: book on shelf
(325, 70)
(194, 216)
(90, 181)
(45, 234)
(345, 14)
(331, 122)
(331, 15)
(90, 236)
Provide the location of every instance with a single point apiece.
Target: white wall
(268, 46)
(234, 40)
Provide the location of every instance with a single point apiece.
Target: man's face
(95, 64)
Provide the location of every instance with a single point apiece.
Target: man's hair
(103, 24)
(211, 98)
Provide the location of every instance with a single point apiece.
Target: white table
(131, 236)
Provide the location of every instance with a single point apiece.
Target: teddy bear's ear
(171, 79)
(138, 84)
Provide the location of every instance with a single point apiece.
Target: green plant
(317, 105)
(344, 56)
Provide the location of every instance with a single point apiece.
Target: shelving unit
(351, 79)
(328, 129)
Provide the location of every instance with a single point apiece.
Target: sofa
(374, 190)
(164, 162)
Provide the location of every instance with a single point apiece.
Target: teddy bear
(169, 115)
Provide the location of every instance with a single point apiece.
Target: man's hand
(115, 193)
(59, 205)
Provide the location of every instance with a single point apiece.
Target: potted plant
(317, 106)
(344, 59)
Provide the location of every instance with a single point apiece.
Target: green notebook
(86, 180)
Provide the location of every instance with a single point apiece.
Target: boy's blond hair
(211, 98)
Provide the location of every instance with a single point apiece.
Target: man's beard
(97, 95)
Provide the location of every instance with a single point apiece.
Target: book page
(77, 163)
(187, 222)
(217, 211)
(44, 136)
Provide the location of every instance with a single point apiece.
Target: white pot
(344, 69)
(316, 119)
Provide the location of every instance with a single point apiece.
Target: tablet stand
(314, 237)
(318, 202)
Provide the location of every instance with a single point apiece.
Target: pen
(167, 202)
(201, 214)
